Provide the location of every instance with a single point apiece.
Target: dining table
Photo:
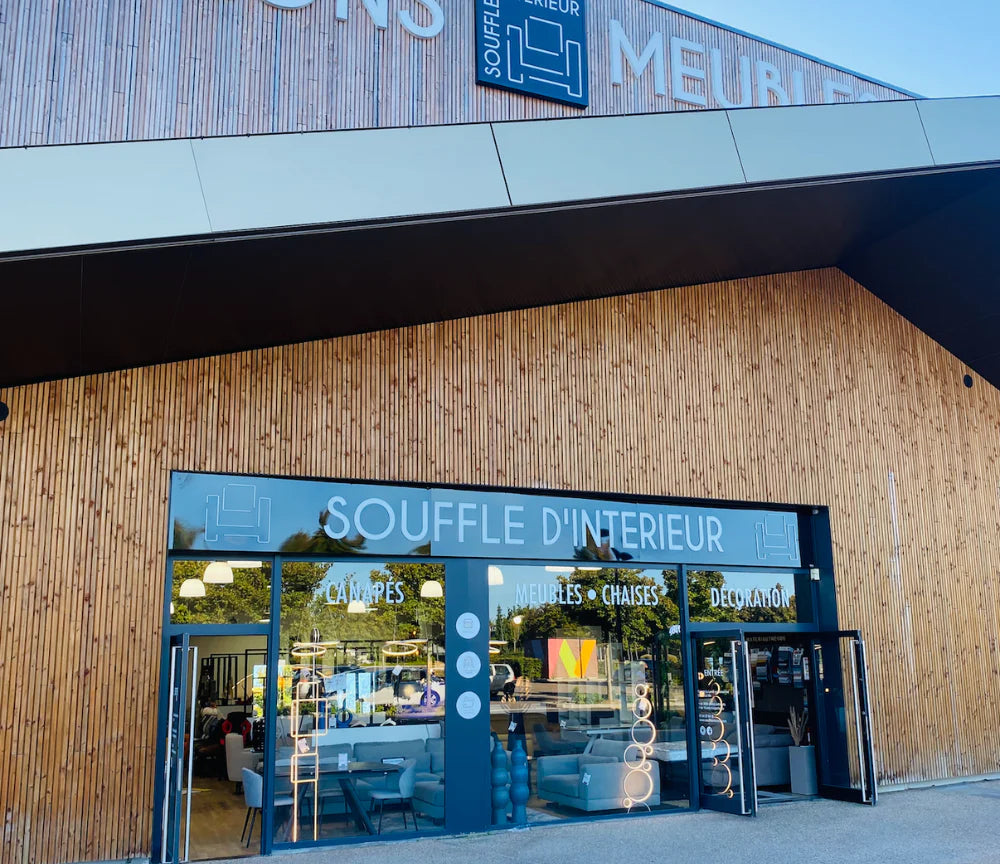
(331, 769)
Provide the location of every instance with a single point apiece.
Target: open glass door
(178, 764)
(724, 727)
(846, 759)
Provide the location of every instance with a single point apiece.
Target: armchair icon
(239, 513)
(776, 537)
(540, 52)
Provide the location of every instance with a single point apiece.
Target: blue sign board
(265, 514)
(537, 47)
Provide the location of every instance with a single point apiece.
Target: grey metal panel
(605, 157)
(824, 140)
(962, 130)
(52, 197)
(326, 177)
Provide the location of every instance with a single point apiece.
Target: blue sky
(932, 48)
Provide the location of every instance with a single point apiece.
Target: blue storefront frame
(467, 800)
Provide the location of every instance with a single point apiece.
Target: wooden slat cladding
(799, 388)
(119, 70)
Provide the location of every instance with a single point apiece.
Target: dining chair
(403, 793)
(253, 794)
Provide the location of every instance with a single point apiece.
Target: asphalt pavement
(954, 824)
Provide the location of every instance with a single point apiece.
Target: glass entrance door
(177, 768)
(846, 759)
(723, 724)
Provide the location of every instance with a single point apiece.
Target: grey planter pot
(802, 768)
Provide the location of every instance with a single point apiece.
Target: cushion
(435, 747)
(376, 751)
(585, 759)
(603, 747)
(429, 791)
(563, 784)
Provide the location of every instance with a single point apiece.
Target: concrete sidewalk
(957, 824)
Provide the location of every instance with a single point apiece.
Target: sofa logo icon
(536, 47)
(238, 515)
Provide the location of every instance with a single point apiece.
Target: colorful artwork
(572, 658)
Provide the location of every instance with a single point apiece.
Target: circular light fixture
(171, 607)
(517, 619)
(495, 575)
(356, 606)
(245, 565)
(307, 649)
(431, 588)
(218, 573)
(399, 649)
(192, 588)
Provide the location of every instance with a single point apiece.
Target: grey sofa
(597, 779)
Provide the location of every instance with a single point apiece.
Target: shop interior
(780, 678)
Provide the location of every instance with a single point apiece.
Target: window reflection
(586, 676)
(220, 592)
(359, 731)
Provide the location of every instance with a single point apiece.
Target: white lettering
(768, 82)
(331, 508)
(378, 11)
(647, 527)
(673, 532)
(486, 535)
(550, 517)
(831, 90)
(509, 524)
(695, 547)
(680, 70)
(428, 31)
(622, 47)
(372, 535)
(743, 79)
(439, 520)
(424, 507)
(463, 523)
(714, 533)
(629, 530)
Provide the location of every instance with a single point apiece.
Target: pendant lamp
(431, 588)
(192, 588)
(218, 573)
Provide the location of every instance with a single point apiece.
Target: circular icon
(591, 594)
(468, 705)
(467, 625)
(468, 664)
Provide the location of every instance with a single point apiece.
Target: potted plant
(801, 757)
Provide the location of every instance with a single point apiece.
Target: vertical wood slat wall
(123, 70)
(798, 388)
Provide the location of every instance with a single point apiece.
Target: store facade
(649, 643)
(316, 248)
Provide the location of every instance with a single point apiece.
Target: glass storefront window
(748, 597)
(586, 676)
(360, 713)
(220, 592)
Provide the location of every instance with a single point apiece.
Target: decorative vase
(802, 769)
(499, 780)
(519, 790)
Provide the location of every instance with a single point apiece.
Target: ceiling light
(432, 588)
(192, 588)
(245, 565)
(495, 575)
(218, 573)
(356, 606)
(558, 569)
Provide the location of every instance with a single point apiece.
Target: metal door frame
(743, 704)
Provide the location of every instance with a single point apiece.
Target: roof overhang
(122, 255)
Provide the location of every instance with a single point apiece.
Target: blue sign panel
(265, 514)
(537, 47)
